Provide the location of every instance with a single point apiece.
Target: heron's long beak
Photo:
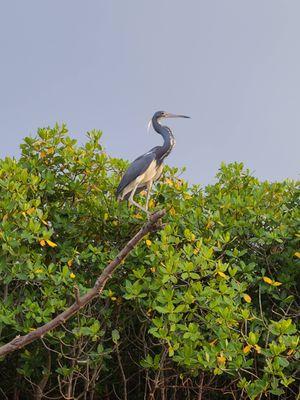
(169, 115)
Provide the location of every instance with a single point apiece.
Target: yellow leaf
(276, 283)
(30, 210)
(290, 352)
(221, 359)
(196, 251)
(246, 349)
(43, 154)
(105, 217)
(51, 244)
(209, 224)
(151, 203)
(297, 254)
(148, 242)
(153, 269)
(169, 182)
(38, 271)
(221, 273)
(172, 211)
(5, 218)
(72, 275)
(23, 213)
(138, 216)
(257, 348)
(44, 222)
(50, 150)
(247, 298)
(267, 280)
(213, 342)
(187, 196)
(70, 263)
(113, 298)
(42, 242)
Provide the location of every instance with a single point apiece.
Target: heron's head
(159, 115)
(163, 114)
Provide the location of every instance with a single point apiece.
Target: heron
(147, 168)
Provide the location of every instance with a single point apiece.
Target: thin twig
(77, 294)
(122, 372)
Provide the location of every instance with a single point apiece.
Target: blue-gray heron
(147, 168)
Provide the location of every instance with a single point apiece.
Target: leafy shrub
(208, 306)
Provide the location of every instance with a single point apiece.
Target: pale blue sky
(232, 65)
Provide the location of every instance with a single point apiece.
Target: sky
(233, 66)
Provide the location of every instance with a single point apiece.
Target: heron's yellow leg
(149, 186)
(135, 203)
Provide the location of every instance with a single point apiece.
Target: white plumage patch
(152, 173)
(149, 125)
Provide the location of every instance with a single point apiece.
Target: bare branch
(21, 341)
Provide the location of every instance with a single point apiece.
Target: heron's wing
(135, 169)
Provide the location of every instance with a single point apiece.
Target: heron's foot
(159, 224)
(145, 209)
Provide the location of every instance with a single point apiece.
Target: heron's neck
(169, 140)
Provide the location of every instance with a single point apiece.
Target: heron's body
(151, 174)
(147, 168)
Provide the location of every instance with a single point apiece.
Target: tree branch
(21, 341)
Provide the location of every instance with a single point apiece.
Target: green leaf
(115, 336)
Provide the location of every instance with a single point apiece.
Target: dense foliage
(207, 308)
